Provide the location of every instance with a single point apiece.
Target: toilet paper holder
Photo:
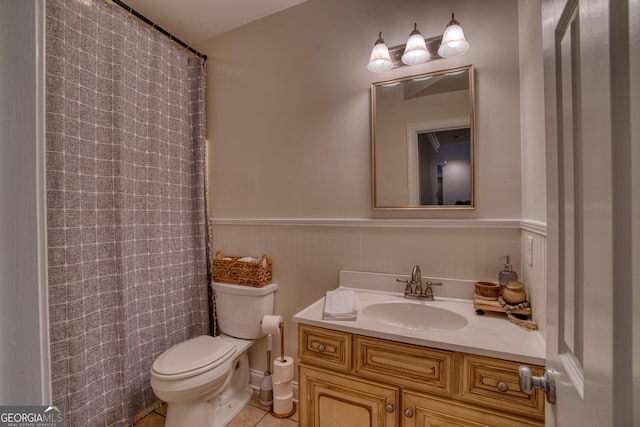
(281, 333)
(283, 404)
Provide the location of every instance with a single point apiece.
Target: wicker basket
(487, 290)
(228, 269)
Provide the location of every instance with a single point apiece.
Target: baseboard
(255, 378)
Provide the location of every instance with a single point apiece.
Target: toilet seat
(192, 358)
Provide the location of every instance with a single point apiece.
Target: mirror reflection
(422, 141)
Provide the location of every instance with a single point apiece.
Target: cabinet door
(421, 410)
(328, 399)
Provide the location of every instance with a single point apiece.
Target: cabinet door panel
(333, 400)
(432, 411)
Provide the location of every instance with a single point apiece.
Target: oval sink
(414, 315)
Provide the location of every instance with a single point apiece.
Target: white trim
(534, 227)
(574, 371)
(382, 223)
(41, 201)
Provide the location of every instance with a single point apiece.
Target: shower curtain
(125, 207)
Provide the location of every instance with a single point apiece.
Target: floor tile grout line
(266, 412)
(261, 418)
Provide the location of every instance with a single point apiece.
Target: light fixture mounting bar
(433, 43)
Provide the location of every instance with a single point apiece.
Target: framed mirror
(422, 141)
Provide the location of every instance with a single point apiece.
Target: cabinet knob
(408, 412)
(502, 386)
(390, 408)
(321, 348)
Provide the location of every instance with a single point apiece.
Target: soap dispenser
(507, 274)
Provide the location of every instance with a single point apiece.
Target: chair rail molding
(383, 223)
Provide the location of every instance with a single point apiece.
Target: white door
(590, 67)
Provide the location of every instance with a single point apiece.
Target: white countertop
(489, 335)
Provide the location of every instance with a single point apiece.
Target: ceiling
(194, 21)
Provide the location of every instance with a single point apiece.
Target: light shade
(415, 52)
(453, 41)
(380, 60)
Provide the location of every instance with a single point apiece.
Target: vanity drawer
(420, 368)
(496, 383)
(324, 347)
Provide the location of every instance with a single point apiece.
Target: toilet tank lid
(194, 356)
(244, 290)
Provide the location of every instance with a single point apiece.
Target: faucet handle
(428, 291)
(407, 289)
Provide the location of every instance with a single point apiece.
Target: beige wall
(534, 182)
(534, 191)
(288, 107)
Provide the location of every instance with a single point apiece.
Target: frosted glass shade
(380, 60)
(453, 41)
(415, 51)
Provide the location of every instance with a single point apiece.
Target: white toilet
(205, 380)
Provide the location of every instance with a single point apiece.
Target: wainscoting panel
(307, 257)
(534, 276)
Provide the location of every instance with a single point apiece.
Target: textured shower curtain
(125, 207)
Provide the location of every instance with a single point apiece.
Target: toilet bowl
(205, 380)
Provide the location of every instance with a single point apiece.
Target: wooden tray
(486, 305)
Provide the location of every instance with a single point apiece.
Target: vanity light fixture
(415, 51)
(418, 50)
(380, 60)
(453, 41)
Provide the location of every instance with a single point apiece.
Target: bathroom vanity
(374, 372)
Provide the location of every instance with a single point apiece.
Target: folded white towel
(340, 305)
(249, 259)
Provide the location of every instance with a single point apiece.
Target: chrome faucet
(413, 288)
(416, 278)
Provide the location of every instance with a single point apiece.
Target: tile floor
(253, 415)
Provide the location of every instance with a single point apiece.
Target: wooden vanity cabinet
(352, 380)
(337, 400)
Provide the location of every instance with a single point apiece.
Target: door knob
(546, 382)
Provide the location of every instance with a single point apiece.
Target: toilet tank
(240, 309)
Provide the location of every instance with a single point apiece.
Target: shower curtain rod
(156, 27)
